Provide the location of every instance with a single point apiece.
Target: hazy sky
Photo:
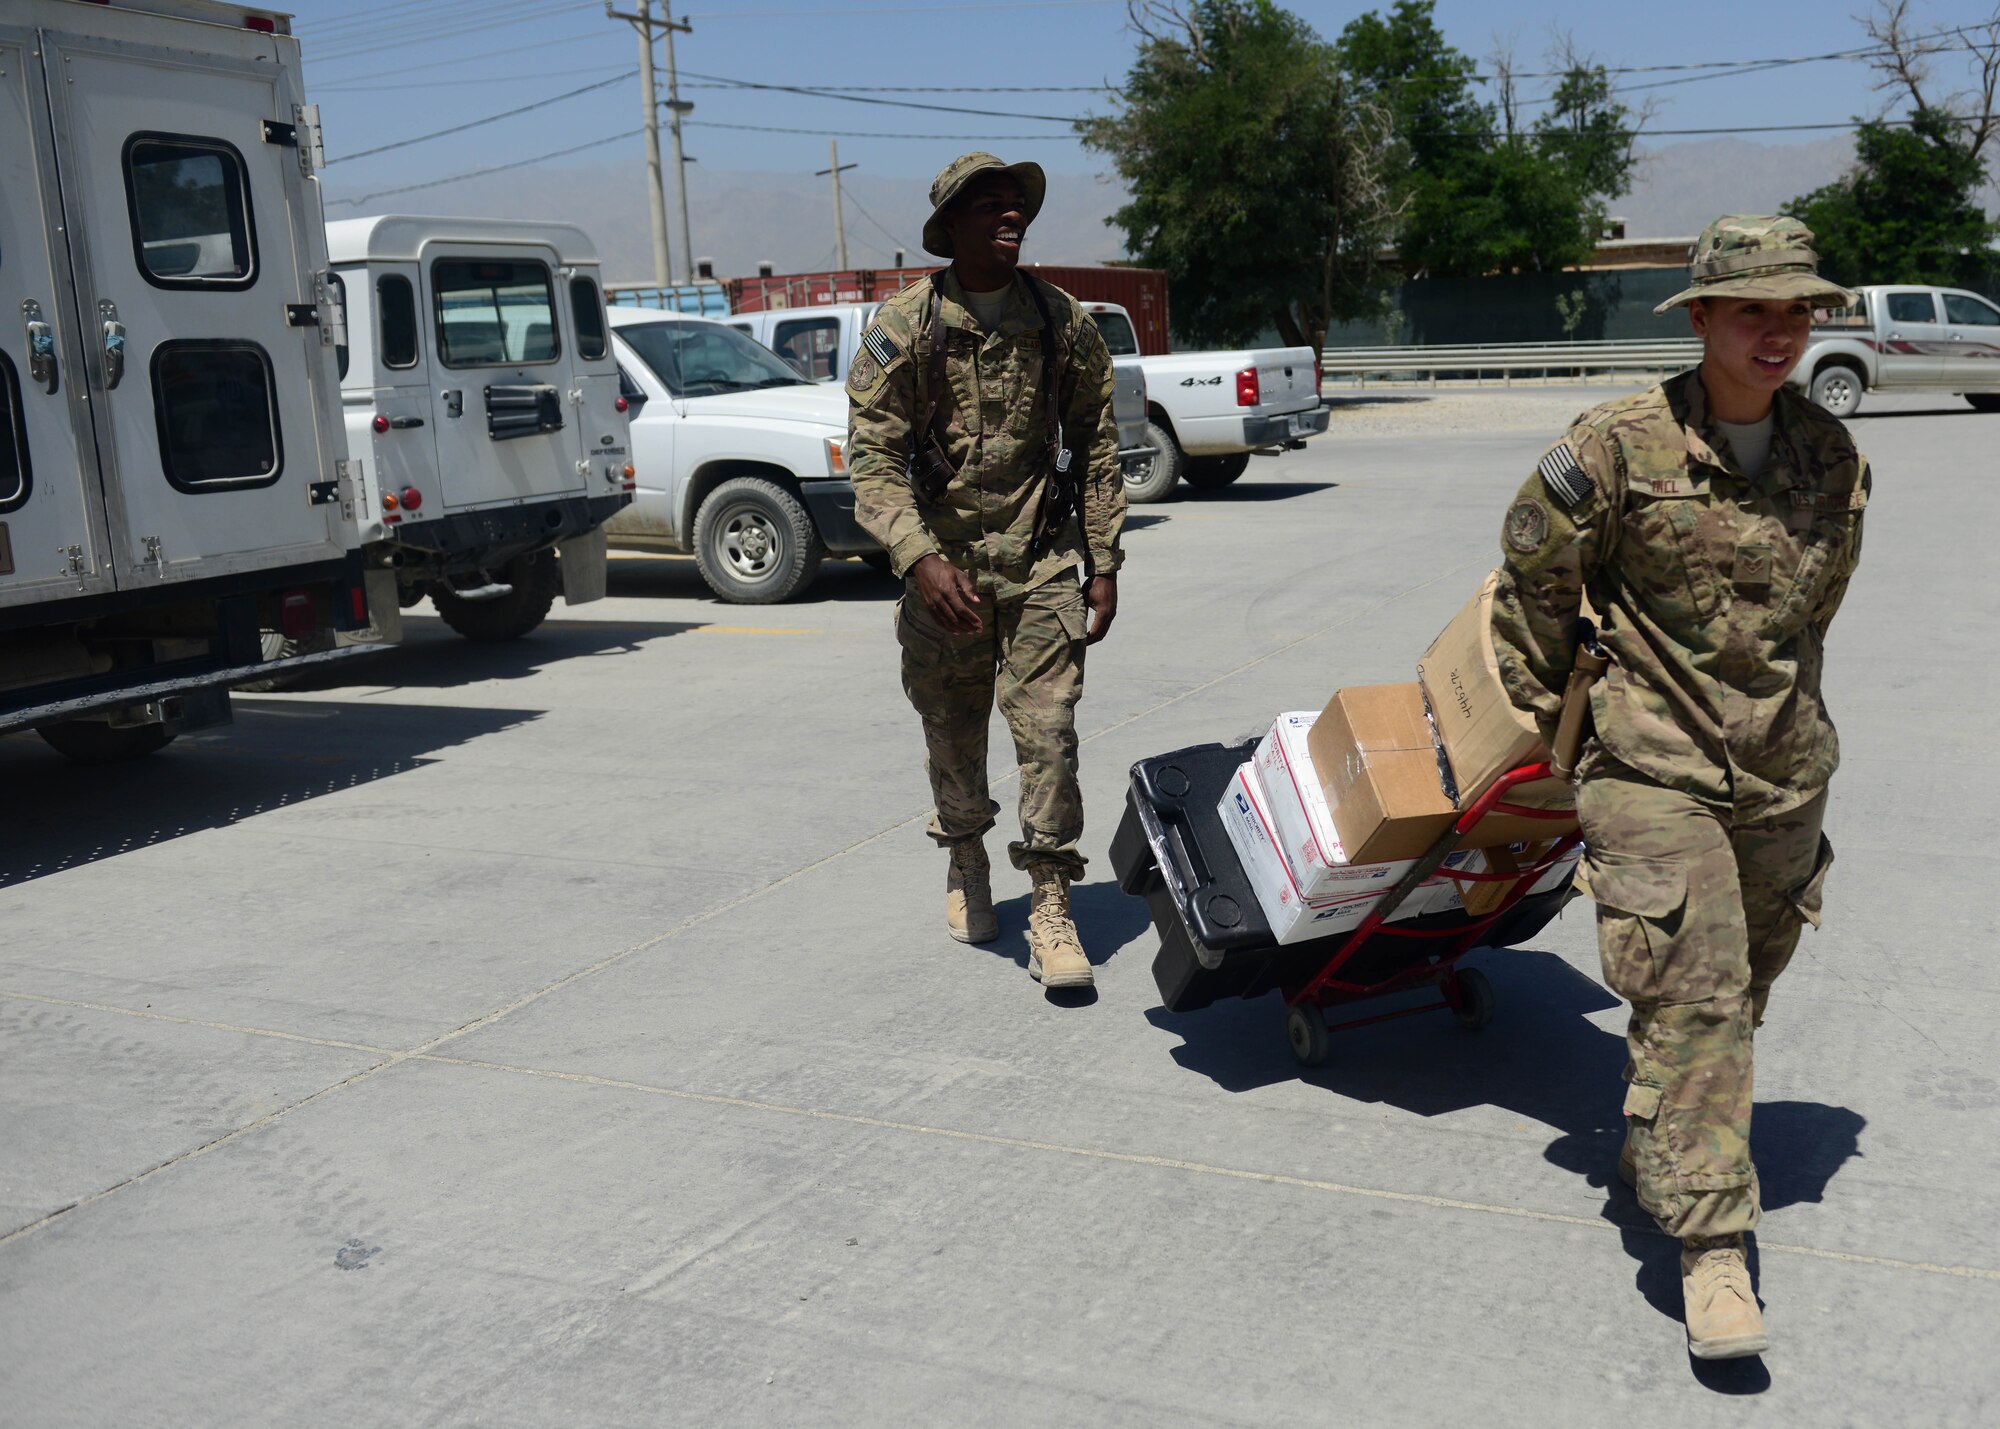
(385, 71)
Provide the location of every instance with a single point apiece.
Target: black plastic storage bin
(1171, 850)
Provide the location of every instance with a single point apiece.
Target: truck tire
(278, 646)
(754, 542)
(1837, 387)
(1156, 478)
(89, 741)
(1984, 401)
(533, 580)
(1212, 473)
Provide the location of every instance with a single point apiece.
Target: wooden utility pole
(645, 25)
(839, 224)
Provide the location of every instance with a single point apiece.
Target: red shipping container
(1142, 292)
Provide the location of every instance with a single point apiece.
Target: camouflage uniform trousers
(1697, 915)
(1030, 653)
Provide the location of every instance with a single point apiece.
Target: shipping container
(1142, 292)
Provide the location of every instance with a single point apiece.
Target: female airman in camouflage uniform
(1712, 524)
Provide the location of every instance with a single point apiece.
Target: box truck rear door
(216, 405)
(52, 534)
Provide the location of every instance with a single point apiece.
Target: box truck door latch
(303, 134)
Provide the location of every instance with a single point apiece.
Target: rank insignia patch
(881, 347)
(1567, 482)
(1527, 526)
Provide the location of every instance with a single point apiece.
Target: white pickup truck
(739, 459)
(1209, 412)
(1908, 339)
(1205, 412)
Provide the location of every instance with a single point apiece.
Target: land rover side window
(1969, 312)
(190, 206)
(14, 470)
(1912, 308)
(589, 310)
(213, 402)
(398, 306)
(493, 313)
(809, 344)
(1118, 338)
(339, 285)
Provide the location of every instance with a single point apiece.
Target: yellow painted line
(752, 630)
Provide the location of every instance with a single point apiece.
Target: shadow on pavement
(1953, 410)
(1543, 1059)
(278, 753)
(433, 657)
(653, 577)
(1262, 489)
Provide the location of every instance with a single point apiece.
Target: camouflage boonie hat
(951, 182)
(1745, 255)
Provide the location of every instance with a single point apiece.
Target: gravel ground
(1384, 412)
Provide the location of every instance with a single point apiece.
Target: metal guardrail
(1549, 360)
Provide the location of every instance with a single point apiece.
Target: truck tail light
(623, 405)
(389, 501)
(295, 615)
(380, 424)
(1246, 387)
(263, 24)
(412, 498)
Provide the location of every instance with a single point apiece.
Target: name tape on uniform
(1830, 500)
(1567, 482)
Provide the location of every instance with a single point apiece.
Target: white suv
(739, 458)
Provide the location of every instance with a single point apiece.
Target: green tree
(1253, 172)
(1908, 212)
(1480, 196)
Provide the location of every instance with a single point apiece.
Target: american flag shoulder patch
(881, 347)
(1567, 481)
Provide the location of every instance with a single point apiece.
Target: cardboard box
(1481, 732)
(1445, 894)
(1300, 818)
(1378, 767)
(1293, 917)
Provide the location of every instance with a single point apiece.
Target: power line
(891, 103)
(941, 10)
(418, 31)
(469, 59)
(865, 134)
(898, 242)
(493, 169)
(490, 79)
(489, 119)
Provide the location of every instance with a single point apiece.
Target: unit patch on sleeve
(1527, 526)
(1568, 482)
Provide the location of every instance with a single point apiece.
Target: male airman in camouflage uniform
(992, 600)
(1712, 523)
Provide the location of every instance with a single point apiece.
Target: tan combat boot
(1723, 1322)
(1055, 957)
(968, 894)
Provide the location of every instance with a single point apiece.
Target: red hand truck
(1467, 993)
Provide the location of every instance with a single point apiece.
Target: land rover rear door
(501, 371)
(52, 530)
(195, 244)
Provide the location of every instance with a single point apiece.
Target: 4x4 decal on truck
(1215, 381)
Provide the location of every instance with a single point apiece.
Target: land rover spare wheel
(754, 542)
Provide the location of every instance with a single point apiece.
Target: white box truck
(173, 474)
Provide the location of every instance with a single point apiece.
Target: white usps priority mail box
(1293, 917)
(1302, 820)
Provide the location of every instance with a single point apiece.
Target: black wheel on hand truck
(1474, 1008)
(1305, 1030)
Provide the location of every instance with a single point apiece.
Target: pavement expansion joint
(1176, 1164)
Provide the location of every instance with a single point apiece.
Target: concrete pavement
(564, 1033)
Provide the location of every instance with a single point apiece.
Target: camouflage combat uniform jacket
(1713, 591)
(994, 431)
